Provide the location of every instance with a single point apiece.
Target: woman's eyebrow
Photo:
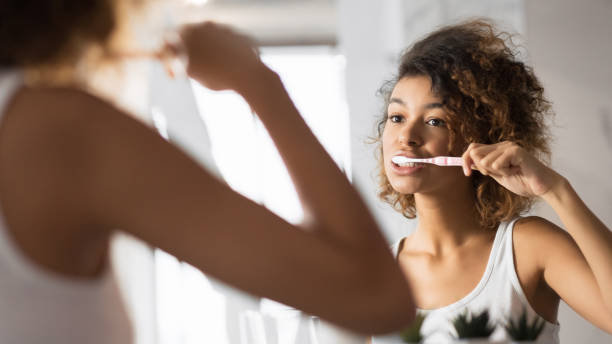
(433, 106)
(428, 106)
(397, 101)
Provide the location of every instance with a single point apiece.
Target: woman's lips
(405, 170)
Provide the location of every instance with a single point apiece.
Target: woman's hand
(512, 167)
(585, 254)
(220, 58)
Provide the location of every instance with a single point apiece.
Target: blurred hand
(512, 167)
(218, 57)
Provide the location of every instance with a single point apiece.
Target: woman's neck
(447, 221)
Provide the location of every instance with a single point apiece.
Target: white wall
(570, 43)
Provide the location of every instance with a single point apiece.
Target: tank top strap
(396, 247)
(509, 229)
(504, 235)
(10, 81)
(509, 262)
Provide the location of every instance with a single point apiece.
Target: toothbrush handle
(448, 161)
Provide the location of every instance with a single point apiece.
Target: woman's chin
(405, 189)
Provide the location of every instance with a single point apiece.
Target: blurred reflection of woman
(73, 168)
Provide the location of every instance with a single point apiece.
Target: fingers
(508, 163)
(501, 159)
(219, 57)
(249, 42)
(490, 158)
(473, 154)
(467, 161)
(209, 32)
(173, 56)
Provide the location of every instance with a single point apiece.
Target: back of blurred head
(35, 33)
(61, 36)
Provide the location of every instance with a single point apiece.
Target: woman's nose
(409, 135)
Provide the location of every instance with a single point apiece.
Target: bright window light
(193, 308)
(244, 151)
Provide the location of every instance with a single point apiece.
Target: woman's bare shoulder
(39, 118)
(539, 238)
(61, 133)
(537, 227)
(32, 105)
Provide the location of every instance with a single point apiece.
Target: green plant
(470, 325)
(413, 333)
(522, 329)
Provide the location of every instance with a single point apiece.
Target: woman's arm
(594, 242)
(328, 266)
(150, 189)
(577, 266)
(325, 194)
(85, 165)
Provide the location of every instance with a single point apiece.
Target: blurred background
(333, 55)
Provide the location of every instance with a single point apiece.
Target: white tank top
(499, 291)
(39, 306)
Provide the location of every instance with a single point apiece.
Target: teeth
(409, 164)
(404, 161)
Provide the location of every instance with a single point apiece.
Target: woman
(461, 91)
(73, 168)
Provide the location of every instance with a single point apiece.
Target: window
(193, 308)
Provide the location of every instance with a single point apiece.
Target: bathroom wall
(570, 47)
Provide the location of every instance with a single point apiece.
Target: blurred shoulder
(41, 115)
(59, 103)
(63, 124)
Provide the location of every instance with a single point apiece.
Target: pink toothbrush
(438, 160)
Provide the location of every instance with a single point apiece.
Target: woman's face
(416, 128)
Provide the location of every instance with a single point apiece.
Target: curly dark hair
(34, 33)
(490, 96)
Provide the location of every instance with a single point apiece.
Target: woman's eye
(395, 118)
(436, 122)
